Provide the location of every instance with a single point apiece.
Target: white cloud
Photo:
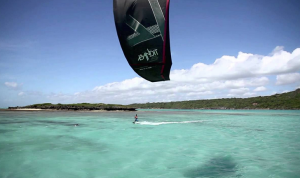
(239, 91)
(238, 83)
(288, 78)
(274, 92)
(230, 95)
(261, 88)
(285, 91)
(249, 94)
(243, 66)
(13, 85)
(228, 76)
(31, 94)
(277, 49)
(138, 90)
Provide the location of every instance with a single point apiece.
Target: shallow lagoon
(166, 143)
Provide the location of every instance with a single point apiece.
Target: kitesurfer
(136, 118)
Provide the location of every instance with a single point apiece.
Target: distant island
(284, 101)
(74, 107)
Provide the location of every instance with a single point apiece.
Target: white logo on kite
(147, 55)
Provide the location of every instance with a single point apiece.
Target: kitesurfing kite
(143, 31)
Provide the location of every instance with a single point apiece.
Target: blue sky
(67, 51)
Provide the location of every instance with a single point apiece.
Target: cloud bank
(229, 76)
(245, 65)
(288, 78)
(258, 89)
(13, 85)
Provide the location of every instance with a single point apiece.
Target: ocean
(165, 144)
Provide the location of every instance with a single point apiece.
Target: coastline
(62, 110)
(106, 111)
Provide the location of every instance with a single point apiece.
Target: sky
(67, 51)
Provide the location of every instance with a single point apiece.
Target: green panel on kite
(143, 31)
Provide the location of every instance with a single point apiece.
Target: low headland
(283, 101)
(99, 107)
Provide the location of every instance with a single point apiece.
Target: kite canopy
(143, 31)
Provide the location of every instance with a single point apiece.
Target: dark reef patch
(5, 131)
(57, 123)
(215, 167)
(12, 122)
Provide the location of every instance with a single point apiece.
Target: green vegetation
(78, 106)
(290, 100)
(83, 105)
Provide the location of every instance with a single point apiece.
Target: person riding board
(136, 118)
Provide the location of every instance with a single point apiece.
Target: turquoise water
(166, 143)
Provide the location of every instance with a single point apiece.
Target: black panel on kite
(143, 31)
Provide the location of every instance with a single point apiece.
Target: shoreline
(216, 109)
(63, 110)
(100, 111)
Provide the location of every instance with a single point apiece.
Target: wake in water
(163, 123)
